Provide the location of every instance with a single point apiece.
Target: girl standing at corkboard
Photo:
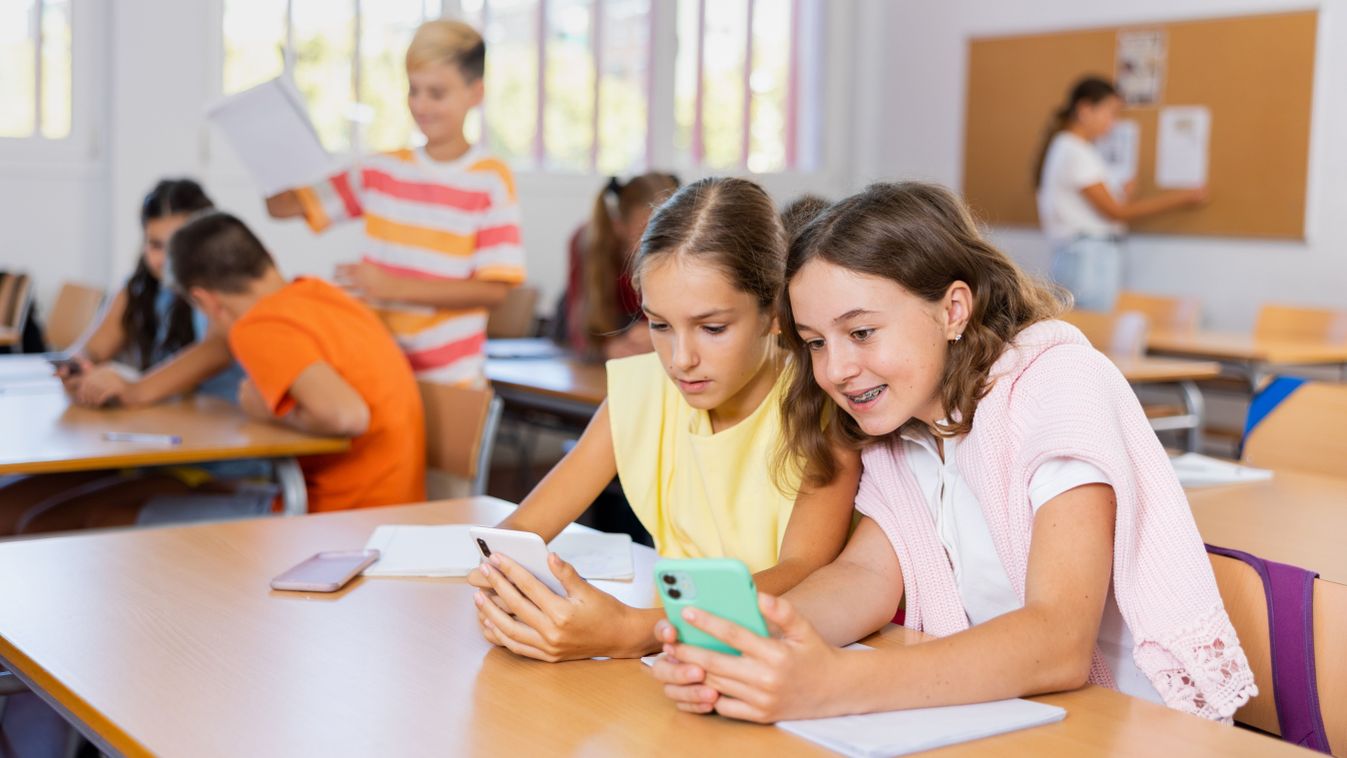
(1083, 213)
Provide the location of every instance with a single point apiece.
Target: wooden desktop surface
(1243, 347)
(1145, 370)
(564, 377)
(44, 432)
(1295, 518)
(169, 642)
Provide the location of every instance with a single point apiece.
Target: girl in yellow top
(690, 430)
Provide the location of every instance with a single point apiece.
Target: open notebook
(889, 733)
(448, 550)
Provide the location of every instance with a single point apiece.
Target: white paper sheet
(1121, 148)
(1140, 65)
(1182, 147)
(879, 735)
(268, 126)
(448, 550)
(1195, 469)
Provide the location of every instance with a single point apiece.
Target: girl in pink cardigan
(1014, 495)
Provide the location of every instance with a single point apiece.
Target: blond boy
(441, 221)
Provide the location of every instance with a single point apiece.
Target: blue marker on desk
(147, 439)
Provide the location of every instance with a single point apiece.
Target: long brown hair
(730, 223)
(1092, 90)
(140, 320)
(922, 237)
(605, 258)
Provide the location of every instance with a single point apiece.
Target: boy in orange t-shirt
(316, 359)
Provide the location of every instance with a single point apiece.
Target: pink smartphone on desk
(328, 571)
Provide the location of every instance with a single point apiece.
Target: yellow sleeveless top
(700, 495)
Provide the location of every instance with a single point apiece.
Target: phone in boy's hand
(525, 548)
(720, 586)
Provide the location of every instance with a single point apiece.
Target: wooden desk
(194, 655)
(1183, 376)
(45, 433)
(1292, 518)
(540, 376)
(1252, 356)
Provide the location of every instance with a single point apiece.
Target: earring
(957, 337)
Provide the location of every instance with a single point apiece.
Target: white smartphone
(525, 548)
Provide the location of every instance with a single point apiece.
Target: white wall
(922, 113)
(155, 67)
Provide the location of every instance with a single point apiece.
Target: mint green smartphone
(720, 586)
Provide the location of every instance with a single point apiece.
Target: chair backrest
(9, 293)
(1288, 322)
(74, 310)
(1245, 599)
(1119, 334)
(1299, 425)
(1166, 314)
(460, 431)
(515, 316)
(15, 292)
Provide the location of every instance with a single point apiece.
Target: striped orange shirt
(425, 218)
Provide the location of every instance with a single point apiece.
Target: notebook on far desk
(523, 349)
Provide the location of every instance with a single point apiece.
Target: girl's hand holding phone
(791, 674)
(95, 387)
(528, 619)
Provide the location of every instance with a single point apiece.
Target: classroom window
(345, 57)
(570, 83)
(734, 101)
(35, 69)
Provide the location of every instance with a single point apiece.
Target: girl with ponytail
(602, 309)
(1084, 212)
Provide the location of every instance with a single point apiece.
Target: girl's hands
(96, 386)
(527, 618)
(794, 674)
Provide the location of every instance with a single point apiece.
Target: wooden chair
(1292, 323)
(515, 316)
(14, 293)
(1245, 601)
(14, 301)
(1299, 425)
(1120, 334)
(461, 425)
(74, 310)
(1166, 314)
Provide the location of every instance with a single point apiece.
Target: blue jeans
(1092, 269)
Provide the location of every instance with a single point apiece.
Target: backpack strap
(1290, 611)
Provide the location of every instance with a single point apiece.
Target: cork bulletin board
(1254, 73)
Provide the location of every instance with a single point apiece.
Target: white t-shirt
(983, 584)
(1071, 165)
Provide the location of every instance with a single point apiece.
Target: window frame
(659, 92)
(76, 152)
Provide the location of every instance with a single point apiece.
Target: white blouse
(982, 581)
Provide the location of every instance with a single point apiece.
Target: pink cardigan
(1056, 396)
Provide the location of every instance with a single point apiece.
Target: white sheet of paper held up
(268, 126)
